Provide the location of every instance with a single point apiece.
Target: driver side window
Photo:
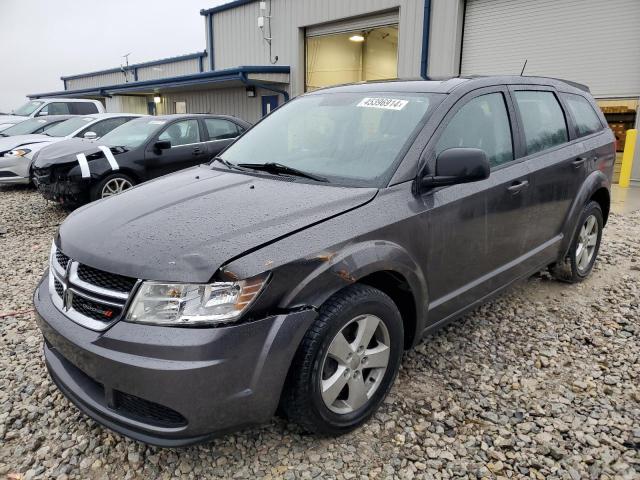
(482, 123)
(181, 133)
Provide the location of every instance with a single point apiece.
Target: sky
(42, 40)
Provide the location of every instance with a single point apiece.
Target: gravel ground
(542, 383)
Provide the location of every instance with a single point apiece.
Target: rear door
(476, 231)
(558, 164)
(187, 148)
(220, 134)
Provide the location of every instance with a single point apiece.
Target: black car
(294, 270)
(75, 171)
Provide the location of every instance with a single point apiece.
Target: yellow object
(627, 157)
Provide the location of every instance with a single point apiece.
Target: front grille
(149, 412)
(95, 299)
(94, 310)
(58, 287)
(62, 259)
(107, 280)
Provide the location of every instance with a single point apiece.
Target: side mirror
(162, 145)
(42, 113)
(90, 135)
(458, 165)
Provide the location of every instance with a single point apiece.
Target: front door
(187, 149)
(269, 103)
(477, 231)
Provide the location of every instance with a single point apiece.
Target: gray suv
(293, 269)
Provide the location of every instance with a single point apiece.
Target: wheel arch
(380, 264)
(595, 187)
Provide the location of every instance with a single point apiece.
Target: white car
(17, 152)
(51, 106)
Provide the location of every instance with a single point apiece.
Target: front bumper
(171, 386)
(62, 191)
(14, 169)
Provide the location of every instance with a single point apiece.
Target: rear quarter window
(543, 120)
(82, 108)
(583, 114)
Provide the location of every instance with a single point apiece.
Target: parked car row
(76, 159)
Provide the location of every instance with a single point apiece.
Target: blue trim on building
(424, 61)
(226, 6)
(161, 61)
(226, 75)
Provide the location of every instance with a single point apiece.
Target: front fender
(594, 182)
(351, 264)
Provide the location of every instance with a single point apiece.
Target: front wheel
(578, 263)
(111, 185)
(346, 363)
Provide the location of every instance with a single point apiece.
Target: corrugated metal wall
(126, 104)
(595, 42)
(238, 40)
(91, 81)
(223, 101)
(173, 69)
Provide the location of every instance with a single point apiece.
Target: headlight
(19, 152)
(185, 304)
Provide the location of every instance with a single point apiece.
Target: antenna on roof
(524, 66)
(125, 69)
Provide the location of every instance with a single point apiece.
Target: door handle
(197, 150)
(518, 186)
(579, 161)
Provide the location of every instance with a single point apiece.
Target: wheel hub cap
(115, 186)
(587, 240)
(355, 364)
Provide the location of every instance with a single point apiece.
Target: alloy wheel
(355, 364)
(115, 186)
(587, 241)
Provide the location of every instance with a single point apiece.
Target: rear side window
(543, 120)
(219, 129)
(481, 123)
(586, 118)
(82, 108)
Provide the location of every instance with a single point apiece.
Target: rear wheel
(578, 263)
(346, 362)
(111, 185)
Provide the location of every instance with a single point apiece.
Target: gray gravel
(541, 383)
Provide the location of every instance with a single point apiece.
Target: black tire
(96, 190)
(302, 400)
(569, 269)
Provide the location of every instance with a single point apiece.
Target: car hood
(11, 143)
(185, 226)
(12, 119)
(66, 150)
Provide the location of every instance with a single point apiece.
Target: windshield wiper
(227, 164)
(279, 168)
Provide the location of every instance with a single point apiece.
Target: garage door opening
(351, 56)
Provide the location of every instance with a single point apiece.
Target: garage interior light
(157, 99)
(356, 38)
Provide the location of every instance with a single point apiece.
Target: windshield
(132, 134)
(26, 127)
(27, 109)
(67, 127)
(350, 139)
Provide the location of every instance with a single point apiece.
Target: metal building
(257, 54)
